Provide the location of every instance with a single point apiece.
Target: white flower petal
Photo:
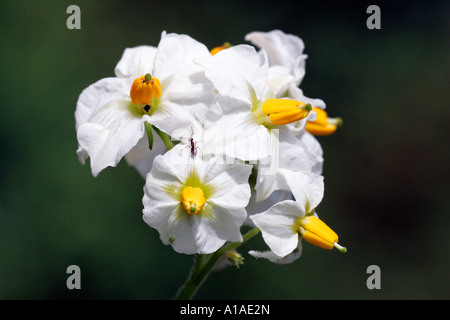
(98, 95)
(179, 162)
(175, 227)
(314, 151)
(176, 52)
(170, 118)
(211, 233)
(182, 237)
(307, 188)
(111, 132)
(255, 206)
(287, 153)
(233, 190)
(293, 153)
(297, 94)
(279, 80)
(297, 128)
(163, 173)
(272, 257)
(277, 226)
(188, 91)
(136, 62)
(141, 157)
(282, 49)
(238, 72)
(230, 130)
(227, 175)
(158, 217)
(82, 155)
(267, 183)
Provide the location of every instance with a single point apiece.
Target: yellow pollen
(316, 232)
(226, 45)
(284, 111)
(193, 199)
(144, 89)
(323, 125)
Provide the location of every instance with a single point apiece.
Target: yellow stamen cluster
(144, 89)
(193, 199)
(316, 232)
(323, 125)
(284, 111)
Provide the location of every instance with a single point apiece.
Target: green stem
(250, 234)
(165, 138)
(203, 267)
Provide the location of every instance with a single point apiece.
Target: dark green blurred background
(386, 171)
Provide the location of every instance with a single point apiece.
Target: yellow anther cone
(226, 45)
(144, 89)
(316, 232)
(193, 199)
(323, 125)
(284, 111)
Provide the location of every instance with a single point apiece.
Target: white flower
(286, 63)
(246, 119)
(161, 86)
(196, 206)
(287, 222)
(286, 70)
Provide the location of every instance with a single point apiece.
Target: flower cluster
(224, 138)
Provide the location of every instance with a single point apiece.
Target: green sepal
(148, 129)
(165, 138)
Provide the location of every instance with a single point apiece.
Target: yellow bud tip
(226, 45)
(284, 111)
(144, 89)
(316, 232)
(193, 199)
(323, 125)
